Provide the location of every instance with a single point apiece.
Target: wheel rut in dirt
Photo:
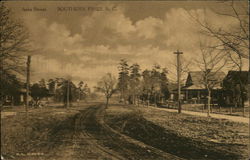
(86, 136)
(116, 141)
(135, 125)
(70, 140)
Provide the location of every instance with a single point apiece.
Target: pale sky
(86, 44)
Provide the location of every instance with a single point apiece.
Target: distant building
(13, 91)
(16, 98)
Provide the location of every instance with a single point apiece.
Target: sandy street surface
(120, 132)
(82, 134)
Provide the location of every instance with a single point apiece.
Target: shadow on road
(137, 127)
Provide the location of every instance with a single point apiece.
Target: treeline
(147, 86)
(60, 90)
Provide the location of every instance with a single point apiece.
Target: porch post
(186, 95)
(198, 97)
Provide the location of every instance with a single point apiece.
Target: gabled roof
(235, 76)
(196, 78)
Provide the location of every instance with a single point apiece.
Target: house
(20, 97)
(195, 91)
(13, 91)
(237, 77)
(235, 87)
(15, 98)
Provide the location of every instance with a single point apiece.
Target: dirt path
(213, 115)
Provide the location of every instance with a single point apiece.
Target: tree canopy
(13, 43)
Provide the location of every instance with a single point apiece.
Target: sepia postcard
(124, 80)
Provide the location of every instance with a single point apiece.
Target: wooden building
(195, 91)
(236, 87)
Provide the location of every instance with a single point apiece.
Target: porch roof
(199, 87)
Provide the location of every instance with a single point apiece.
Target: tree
(83, 90)
(155, 84)
(10, 85)
(146, 85)
(66, 91)
(38, 92)
(164, 84)
(80, 84)
(134, 82)
(107, 86)
(211, 63)
(123, 79)
(86, 91)
(51, 85)
(232, 39)
(13, 42)
(69, 92)
(231, 87)
(184, 69)
(42, 83)
(59, 89)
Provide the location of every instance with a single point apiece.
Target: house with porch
(195, 91)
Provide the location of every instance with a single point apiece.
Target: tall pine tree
(123, 79)
(134, 82)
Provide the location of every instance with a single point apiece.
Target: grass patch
(26, 136)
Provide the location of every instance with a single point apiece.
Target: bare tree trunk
(242, 98)
(107, 102)
(231, 108)
(123, 97)
(67, 101)
(12, 100)
(148, 100)
(243, 111)
(203, 107)
(208, 103)
(155, 99)
(138, 100)
(134, 99)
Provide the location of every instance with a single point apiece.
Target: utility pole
(27, 94)
(68, 94)
(178, 79)
(27, 83)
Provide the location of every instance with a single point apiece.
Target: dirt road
(87, 136)
(121, 132)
